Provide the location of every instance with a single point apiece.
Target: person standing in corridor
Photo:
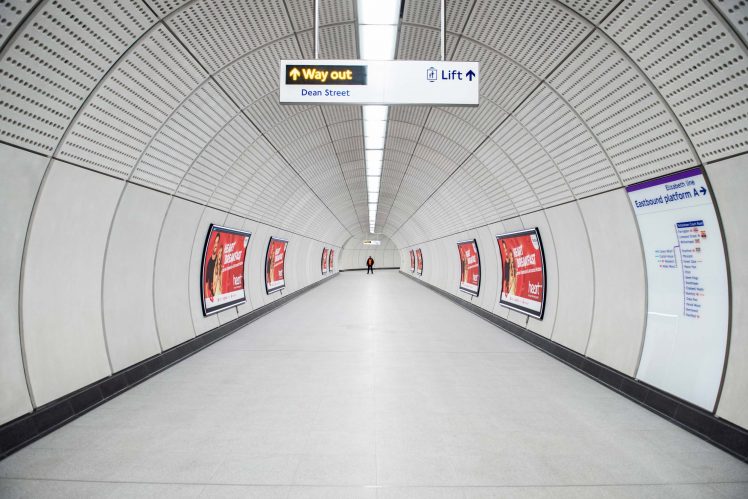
(370, 265)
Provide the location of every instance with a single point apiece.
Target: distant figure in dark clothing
(370, 265)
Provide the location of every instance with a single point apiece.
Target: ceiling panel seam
(212, 78)
(718, 12)
(20, 26)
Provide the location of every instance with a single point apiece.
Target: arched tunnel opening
(220, 279)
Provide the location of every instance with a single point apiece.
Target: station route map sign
(222, 272)
(687, 294)
(412, 261)
(419, 262)
(522, 272)
(332, 260)
(469, 267)
(325, 261)
(356, 82)
(275, 262)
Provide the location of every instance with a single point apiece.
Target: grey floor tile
(53, 489)
(244, 492)
(302, 492)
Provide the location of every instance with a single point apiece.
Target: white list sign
(687, 292)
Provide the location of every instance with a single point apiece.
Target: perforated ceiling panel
(736, 12)
(330, 12)
(127, 110)
(221, 32)
(335, 42)
(593, 10)
(255, 75)
(165, 7)
(484, 118)
(237, 178)
(12, 13)
(509, 177)
(501, 206)
(417, 43)
(427, 13)
(697, 63)
(183, 137)
(568, 142)
(57, 60)
(622, 110)
(465, 137)
(533, 162)
(566, 111)
(215, 160)
(520, 31)
(502, 81)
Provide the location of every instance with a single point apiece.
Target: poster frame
(480, 269)
(324, 262)
(279, 288)
(513, 306)
(330, 260)
(412, 255)
(419, 272)
(234, 303)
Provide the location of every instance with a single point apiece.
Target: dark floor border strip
(375, 268)
(704, 424)
(28, 428)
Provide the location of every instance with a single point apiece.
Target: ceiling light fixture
(377, 37)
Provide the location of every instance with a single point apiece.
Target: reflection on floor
(371, 387)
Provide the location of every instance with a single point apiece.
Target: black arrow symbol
(703, 191)
(470, 75)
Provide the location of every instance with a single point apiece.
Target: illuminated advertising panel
(522, 272)
(412, 261)
(332, 259)
(275, 260)
(419, 262)
(688, 296)
(325, 261)
(222, 273)
(469, 267)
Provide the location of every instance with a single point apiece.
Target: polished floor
(371, 387)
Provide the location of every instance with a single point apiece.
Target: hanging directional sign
(433, 83)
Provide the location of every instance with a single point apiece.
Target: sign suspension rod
(316, 29)
(443, 16)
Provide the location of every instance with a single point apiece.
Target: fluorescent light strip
(377, 28)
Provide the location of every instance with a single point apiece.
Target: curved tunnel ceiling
(577, 98)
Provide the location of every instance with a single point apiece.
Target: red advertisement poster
(222, 274)
(412, 261)
(522, 272)
(419, 262)
(332, 260)
(325, 261)
(469, 267)
(275, 260)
